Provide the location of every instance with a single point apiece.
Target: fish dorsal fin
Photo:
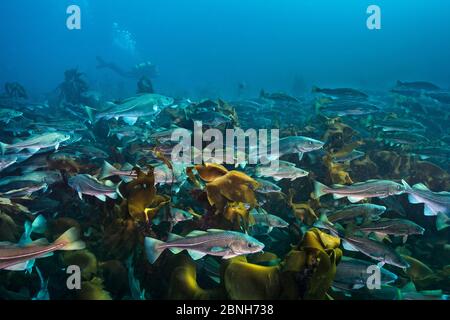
(421, 186)
(39, 242)
(196, 233)
(173, 237)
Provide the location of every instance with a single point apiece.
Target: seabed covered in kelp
(104, 173)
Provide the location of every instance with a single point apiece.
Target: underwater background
(213, 45)
(94, 206)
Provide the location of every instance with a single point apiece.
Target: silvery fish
(374, 249)
(265, 222)
(211, 118)
(353, 155)
(435, 203)
(341, 92)
(295, 144)
(225, 244)
(6, 161)
(267, 187)
(343, 107)
(417, 85)
(16, 256)
(353, 274)
(49, 177)
(7, 114)
(87, 184)
(284, 170)
(36, 142)
(131, 109)
(364, 211)
(176, 216)
(395, 227)
(360, 190)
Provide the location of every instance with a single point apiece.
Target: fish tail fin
(153, 249)
(442, 221)
(71, 240)
(106, 171)
(118, 190)
(90, 113)
(3, 147)
(319, 189)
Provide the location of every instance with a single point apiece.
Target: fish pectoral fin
(355, 199)
(130, 120)
(348, 246)
(80, 195)
(300, 156)
(338, 196)
(217, 249)
(196, 255)
(18, 267)
(101, 197)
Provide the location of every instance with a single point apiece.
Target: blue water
(211, 46)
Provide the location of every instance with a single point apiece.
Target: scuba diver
(145, 69)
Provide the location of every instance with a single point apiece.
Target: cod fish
(6, 115)
(36, 142)
(435, 203)
(6, 161)
(87, 184)
(360, 190)
(16, 257)
(364, 211)
(225, 244)
(296, 144)
(284, 170)
(373, 249)
(353, 274)
(131, 109)
(341, 92)
(395, 227)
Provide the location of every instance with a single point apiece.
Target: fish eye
(249, 245)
